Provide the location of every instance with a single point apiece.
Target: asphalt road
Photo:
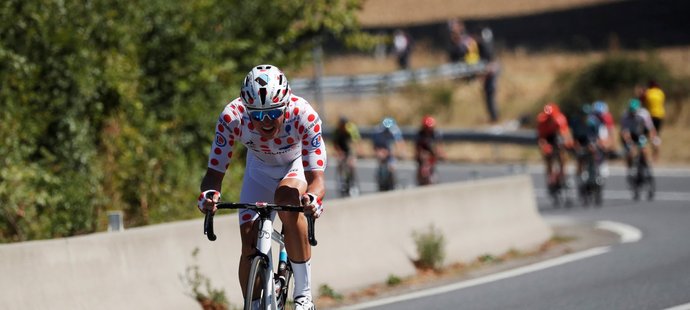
(649, 269)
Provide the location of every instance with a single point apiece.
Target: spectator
(402, 45)
(487, 54)
(462, 46)
(654, 99)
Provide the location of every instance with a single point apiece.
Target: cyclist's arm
(213, 179)
(316, 186)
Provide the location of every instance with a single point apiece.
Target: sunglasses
(258, 115)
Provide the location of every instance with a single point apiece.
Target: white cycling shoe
(304, 303)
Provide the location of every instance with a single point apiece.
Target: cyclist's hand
(207, 201)
(312, 205)
(546, 149)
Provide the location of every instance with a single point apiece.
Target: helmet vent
(262, 95)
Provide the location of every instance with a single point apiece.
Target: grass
(524, 81)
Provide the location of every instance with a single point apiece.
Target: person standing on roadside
(654, 99)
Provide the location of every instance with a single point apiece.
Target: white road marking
(628, 233)
(483, 280)
(680, 307)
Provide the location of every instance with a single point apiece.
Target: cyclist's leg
(289, 191)
(256, 187)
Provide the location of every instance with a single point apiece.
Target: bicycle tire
(256, 272)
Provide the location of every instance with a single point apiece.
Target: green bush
(613, 80)
(430, 248)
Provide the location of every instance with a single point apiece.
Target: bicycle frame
(265, 235)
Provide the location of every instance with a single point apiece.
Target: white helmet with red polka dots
(265, 88)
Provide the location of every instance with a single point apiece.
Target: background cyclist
(427, 148)
(553, 137)
(590, 137)
(285, 164)
(388, 143)
(345, 138)
(636, 123)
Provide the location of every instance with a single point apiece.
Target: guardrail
(519, 136)
(369, 83)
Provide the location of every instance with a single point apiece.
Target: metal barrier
(525, 137)
(369, 83)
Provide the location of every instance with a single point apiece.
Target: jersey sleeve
(313, 147)
(227, 130)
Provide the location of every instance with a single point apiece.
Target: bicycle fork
(264, 248)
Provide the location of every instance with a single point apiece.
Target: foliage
(111, 105)
(430, 248)
(613, 79)
(393, 280)
(193, 279)
(326, 291)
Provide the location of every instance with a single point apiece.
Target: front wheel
(285, 289)
(256, 284)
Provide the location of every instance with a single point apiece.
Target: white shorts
(261, 181)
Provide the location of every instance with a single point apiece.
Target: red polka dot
(226, 117)
(319, 162)
(236, 130)
(229, 154)
(200, 197)
(217, 151)
(294, 99)
(305, 143)
(295, 111)
(250, 126)
(305, 163)
(317, 128)
(301, 129)
(214, 162)
(305, 152)
(277, 141)
(305, 137)
(231, 142)
(235, 113)
(265, 147)
(241, 108)
(287, 114)
(318, 151)
(311, 117)
(296, 124)
(263, 139)
(290, 140)
(246, 217)
(292, 175)
(221, 128)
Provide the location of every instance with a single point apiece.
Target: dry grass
(379, 12)
(524, 82)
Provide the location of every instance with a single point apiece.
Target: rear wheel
(255, 284)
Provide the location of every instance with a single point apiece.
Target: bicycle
(559, 190)
(385, 176)
(641, 176)
(269, 287)
(591, 182)
(426, 169)
(347, 182)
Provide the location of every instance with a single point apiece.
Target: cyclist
(636, 124)
(345, 136)
(590, 137)
(553, 137)
(387, 140)
(427, 150)
(285, 164)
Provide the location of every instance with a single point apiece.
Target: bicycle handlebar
(259, 207)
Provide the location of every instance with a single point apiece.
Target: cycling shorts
(261, 181)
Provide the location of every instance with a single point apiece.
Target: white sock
(302, 275)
